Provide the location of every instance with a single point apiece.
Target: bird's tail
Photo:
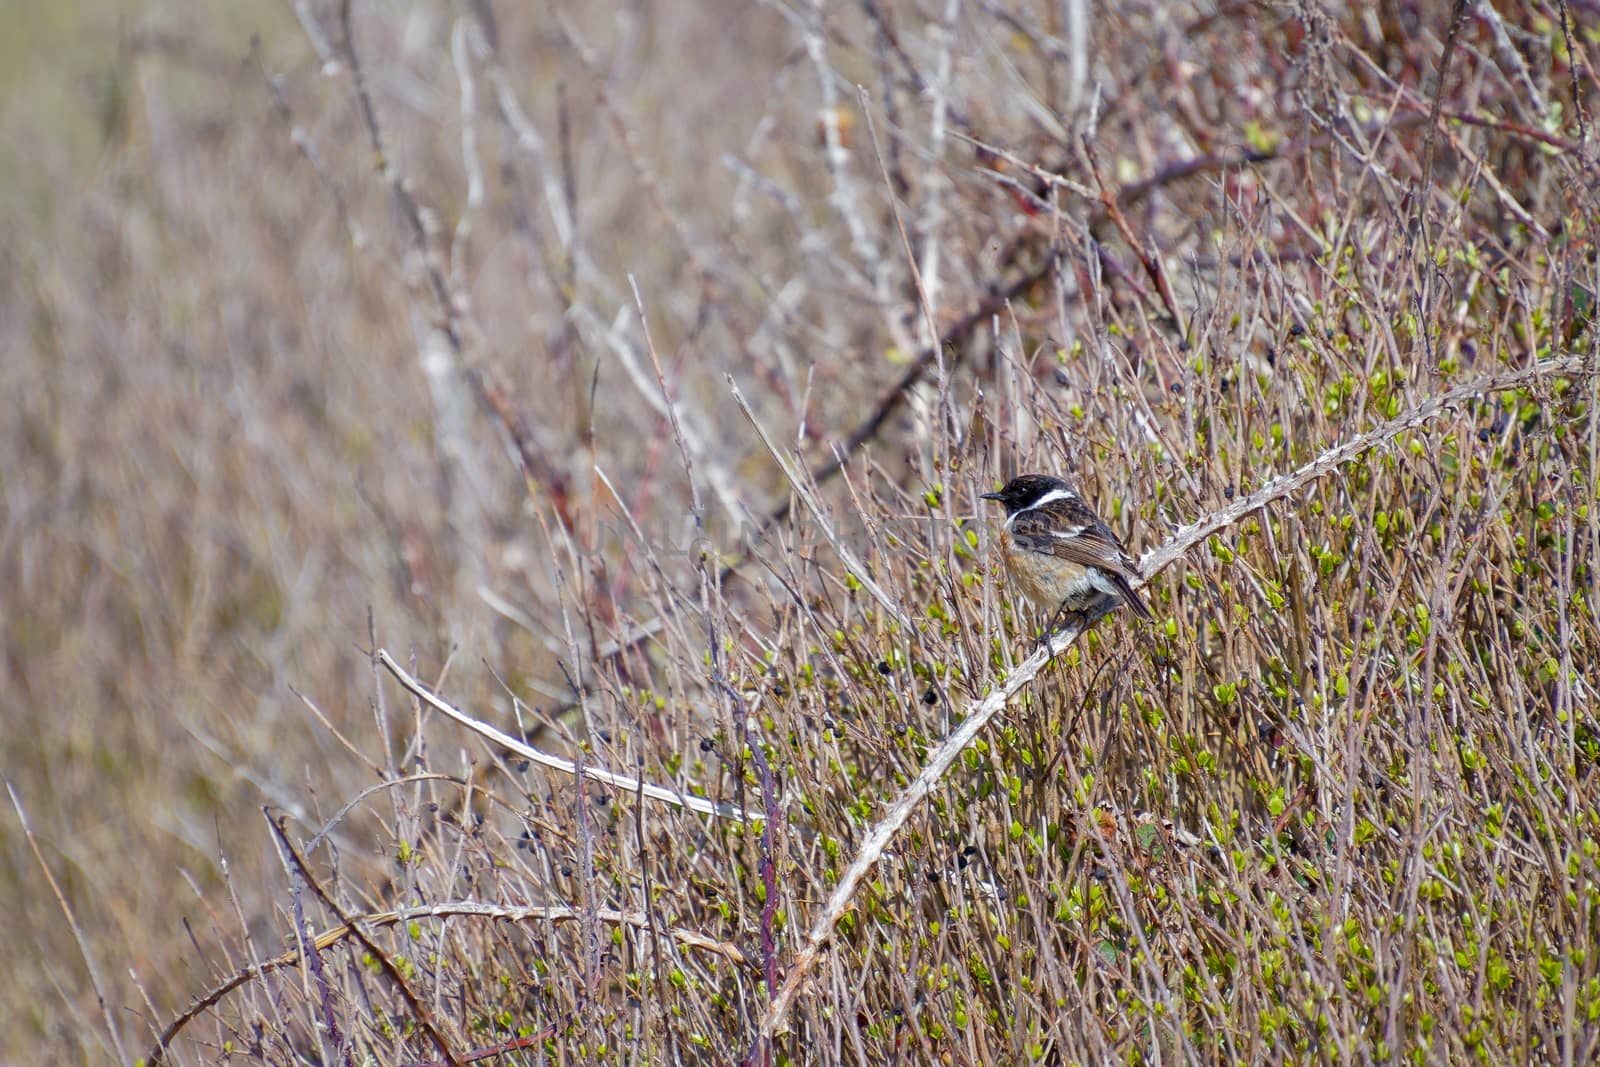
(1126, 591)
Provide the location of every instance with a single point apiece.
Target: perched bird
(1061, 555)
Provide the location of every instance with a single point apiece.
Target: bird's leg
(1082, 618)
(1063, 615)
(1100, 609)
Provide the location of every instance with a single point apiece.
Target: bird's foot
(1078, 619)
(1065, 618)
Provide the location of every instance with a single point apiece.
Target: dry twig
(545, 759)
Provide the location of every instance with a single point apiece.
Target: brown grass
(318, 351)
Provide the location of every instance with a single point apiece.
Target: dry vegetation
(630, 374)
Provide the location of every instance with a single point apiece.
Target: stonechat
(1061, 555)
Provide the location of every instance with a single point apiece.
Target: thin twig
(490, 1051)
(696, 507)
(455, 909)
(653, 392)
(1149, 259)
(319, 973)
(1457, 9)
(798, 484)
(419, 1010)
(545, 759)
(72, 924)
(469, 146)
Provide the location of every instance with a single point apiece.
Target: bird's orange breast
(1048, 581)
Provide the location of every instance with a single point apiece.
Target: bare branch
(545, 759)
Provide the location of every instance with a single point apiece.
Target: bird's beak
(991, 496)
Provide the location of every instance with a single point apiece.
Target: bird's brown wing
(1070, 530)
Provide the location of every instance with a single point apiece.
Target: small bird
(1061, 555)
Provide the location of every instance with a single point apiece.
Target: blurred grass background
(234, 431)
(220, 448)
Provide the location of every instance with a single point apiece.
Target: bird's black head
(1026, 490)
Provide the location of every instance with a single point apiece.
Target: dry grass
(334, 336)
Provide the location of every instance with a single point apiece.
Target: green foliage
(1339, 799)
